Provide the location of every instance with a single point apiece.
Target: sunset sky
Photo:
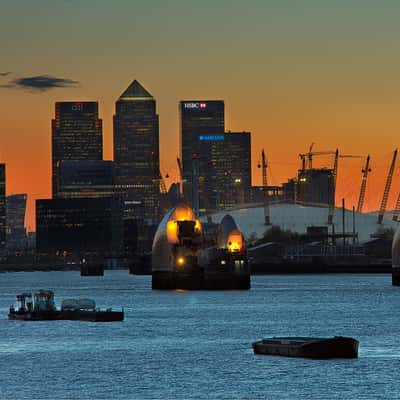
(291, 72)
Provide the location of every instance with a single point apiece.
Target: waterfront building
(136, 152)
(86, 179)
(15, 217)
(76, 135)
(2, 208)
(197, 118)
(69, 230)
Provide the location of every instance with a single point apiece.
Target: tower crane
(363, 188)
(387, 188)
(334, 178)
(309, 157)
(265, 188)
(334, 175)
(178, 160)
(163, 188)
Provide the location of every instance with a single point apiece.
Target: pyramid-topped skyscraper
(135, 91)
(136, 151)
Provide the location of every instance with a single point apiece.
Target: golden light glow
(197, 226)
(183, 213)
(235, 241)
(172, 232)
(180, 261)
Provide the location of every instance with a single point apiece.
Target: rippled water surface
(197, 345)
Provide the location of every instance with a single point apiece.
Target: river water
(197, 345)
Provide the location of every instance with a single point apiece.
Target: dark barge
(316, 348)
(43, 309)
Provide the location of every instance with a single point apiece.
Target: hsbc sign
(195, 105)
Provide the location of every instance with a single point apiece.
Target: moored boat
(318, 348)
(43, 308)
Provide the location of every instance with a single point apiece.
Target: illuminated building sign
(195, 105)
(211, 137)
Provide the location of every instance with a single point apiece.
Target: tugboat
(317, 348)
(43, 308)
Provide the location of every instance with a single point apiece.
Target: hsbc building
(197, 118)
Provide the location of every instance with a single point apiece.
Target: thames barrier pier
(183, 259)
(396, 259)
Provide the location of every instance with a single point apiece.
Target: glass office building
(197, 118)
(224, 178)
(76, 135)
(86, 179)
(16, 210)
(136, 151)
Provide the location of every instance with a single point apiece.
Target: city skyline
(291, 74)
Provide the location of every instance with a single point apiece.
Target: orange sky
(292, 73)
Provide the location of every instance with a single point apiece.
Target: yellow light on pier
(180, 261)
(235, 241)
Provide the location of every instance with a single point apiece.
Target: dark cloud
(5, 73)
(41, 83)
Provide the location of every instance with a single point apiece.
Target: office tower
(2, 208)
(16, 210)
(69, 230)
(197, 118)
(224, 177)
(136, 152)
(86, 179)
(315, 186)
(76, 135)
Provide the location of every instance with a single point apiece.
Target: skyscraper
(224, 177)
(136, 151)
(16, 209)
(76, 135)
(2, 208)
(197, 118)
(86, 179)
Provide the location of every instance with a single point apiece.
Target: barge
(43, 308)
(316, 348)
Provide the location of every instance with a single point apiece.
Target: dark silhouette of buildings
(86, 179)
(2, 209)
(16, 210)
(76, 135)
(70, 230)
(136, 153)
(315, 186)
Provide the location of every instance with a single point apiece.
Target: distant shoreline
(256, 270)
(36, 268)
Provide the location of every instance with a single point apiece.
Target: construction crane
(163, 188)
(309, 157)
(334, 175)
(363, 188)
(387, 188)
(178, 160)
(265, 188)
